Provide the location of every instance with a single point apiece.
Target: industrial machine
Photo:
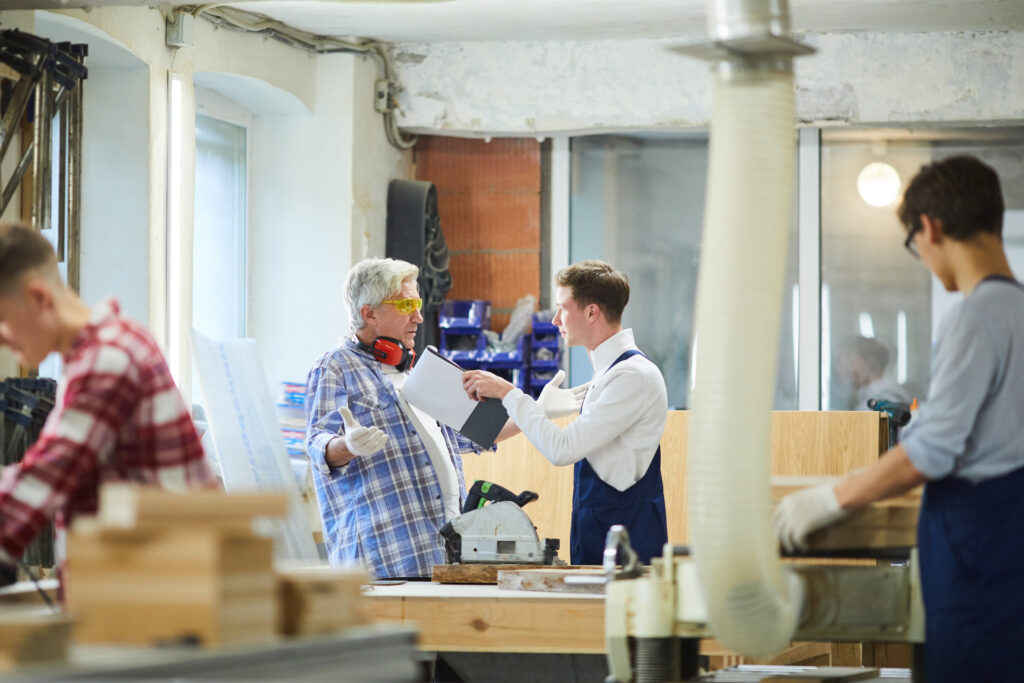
(654, 621)
(493, 528)
(734, 588)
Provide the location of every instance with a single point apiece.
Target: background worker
(863, 364)
(614, 444)
(966, 442)
(118, 415)
(387, 475)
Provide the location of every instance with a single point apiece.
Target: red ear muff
(390, 351)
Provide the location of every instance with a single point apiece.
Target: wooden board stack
(159, 567)
(320, 600)
(33, 639)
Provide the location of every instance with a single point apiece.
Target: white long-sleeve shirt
(622, 420)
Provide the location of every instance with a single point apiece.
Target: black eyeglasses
(909, 242)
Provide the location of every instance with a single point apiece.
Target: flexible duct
(753, 602)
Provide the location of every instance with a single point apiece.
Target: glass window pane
(218, 256)
(638, 202)
(219, 236)
(879, 304)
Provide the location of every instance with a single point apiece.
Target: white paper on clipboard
(435, 387)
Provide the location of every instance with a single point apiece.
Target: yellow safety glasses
(405, 306)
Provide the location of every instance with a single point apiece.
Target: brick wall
(489, 198)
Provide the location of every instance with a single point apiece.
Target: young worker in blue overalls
(614, 444)
(966, 442)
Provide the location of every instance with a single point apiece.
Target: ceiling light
(878, 184)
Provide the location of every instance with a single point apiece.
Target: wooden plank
(142, 586)
(551, 580)
(33, 638)
(832, 675)
(847, 654)
(492, 625)
(127, 506)
(475, 573)
(803, 443)
(783, 485)
(796, 653)
(890, 655)
(25, 593)
(319, 600)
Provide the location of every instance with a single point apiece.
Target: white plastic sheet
(247, 438)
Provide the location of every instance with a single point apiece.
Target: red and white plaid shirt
(118, 417)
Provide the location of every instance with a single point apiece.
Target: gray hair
(370, 282)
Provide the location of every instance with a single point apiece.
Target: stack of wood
(159, 567)
(320, 600)
(32, 639)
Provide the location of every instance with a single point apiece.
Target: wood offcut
(480, 574)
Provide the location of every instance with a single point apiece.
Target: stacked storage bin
(545, 354)
(291, 416)
(462, 324)
(512, 365)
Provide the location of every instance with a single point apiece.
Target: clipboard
(435, 387)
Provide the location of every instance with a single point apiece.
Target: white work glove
(558, 402)
(804, 512)
(361, 440)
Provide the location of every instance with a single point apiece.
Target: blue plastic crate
(543, 323)
(462, 346)
(544, 333)
(545, 357)
(541, 376)
(464, 314)
(517, 375)
(517, 357)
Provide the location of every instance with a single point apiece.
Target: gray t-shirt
(972, 425)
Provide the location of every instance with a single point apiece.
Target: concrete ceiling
(472, 20)
(482, 20)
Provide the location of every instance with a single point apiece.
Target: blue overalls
(971, 545)
(596, 506)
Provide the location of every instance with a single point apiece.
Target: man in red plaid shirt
(118, 414)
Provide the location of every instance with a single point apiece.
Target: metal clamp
(615, 542)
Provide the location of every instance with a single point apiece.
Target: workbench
(487, 619)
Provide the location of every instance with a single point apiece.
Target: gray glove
(361, 440)
(558, 402)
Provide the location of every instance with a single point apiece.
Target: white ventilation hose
(753, 602)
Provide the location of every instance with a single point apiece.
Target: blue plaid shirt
(384, 510)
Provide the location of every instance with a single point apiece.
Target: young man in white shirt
(614, 444)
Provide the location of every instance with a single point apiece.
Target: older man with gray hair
(387, 475)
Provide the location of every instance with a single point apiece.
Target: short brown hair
(960, 191)
(22, 249)
(597, 282)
